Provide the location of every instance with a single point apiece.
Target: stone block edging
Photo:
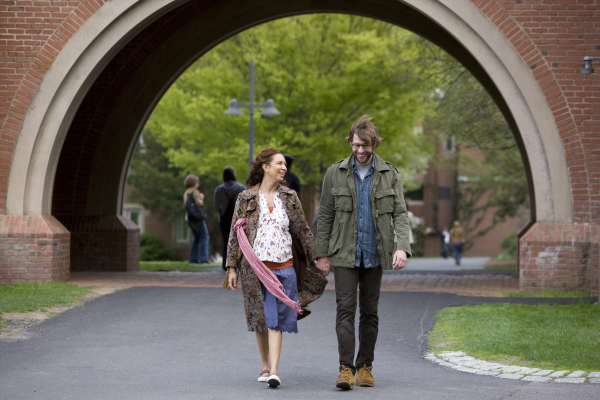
(460, 361)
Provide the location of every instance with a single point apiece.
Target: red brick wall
(560, 257)
(551, 35)
(32, 33)
(34, 248)
(103, 243)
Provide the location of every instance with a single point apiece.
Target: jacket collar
(252, 192)
(379, 164)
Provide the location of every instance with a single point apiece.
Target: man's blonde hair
(366, 131)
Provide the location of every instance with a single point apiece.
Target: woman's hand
(323, 265)
(232, 279)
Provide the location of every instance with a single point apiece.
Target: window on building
(182, 230)
(136, 215)
(414, 195)
(444, 192)
(449, 143)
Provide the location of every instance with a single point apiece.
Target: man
(291, 179)
(362, 208)
(224, 202)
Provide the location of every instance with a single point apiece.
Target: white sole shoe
(264, 378)
(274, 381)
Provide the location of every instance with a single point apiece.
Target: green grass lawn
(175, 266)
(558, 337)
(24, 297)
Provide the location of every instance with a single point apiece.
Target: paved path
(191, 343)
(437, 275)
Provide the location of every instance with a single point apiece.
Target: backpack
(195, 213)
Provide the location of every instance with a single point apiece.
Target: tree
(494, 177)
(158, 186)
(323, 70)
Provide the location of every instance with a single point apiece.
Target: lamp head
(270, 109)
(587, 65)
(233, 108)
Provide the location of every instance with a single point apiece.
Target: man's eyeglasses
(357, 146)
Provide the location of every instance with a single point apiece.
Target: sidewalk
(421, 275)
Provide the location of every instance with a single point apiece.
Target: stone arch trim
(505, 18)
(42, 133)
(53, 87)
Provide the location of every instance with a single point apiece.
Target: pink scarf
(265, 275)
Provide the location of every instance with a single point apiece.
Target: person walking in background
(278, 253)
(199, 229)
(362, 206)
(457, 237)
(224, 202)
(291, 179)
(445, 243)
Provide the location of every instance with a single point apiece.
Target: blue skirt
(278, 316)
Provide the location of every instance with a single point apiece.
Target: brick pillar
(560, 257)
(33, 248)
(103, 242)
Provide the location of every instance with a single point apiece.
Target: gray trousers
(347, 281)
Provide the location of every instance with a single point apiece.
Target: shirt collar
(372, 162)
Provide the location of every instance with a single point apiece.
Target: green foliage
(154, 249)
(559, 337)
(323, 70)
(493, 175)
(510, 244)
(25, 297)
(157, 185)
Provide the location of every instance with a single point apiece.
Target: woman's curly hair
(256, 171)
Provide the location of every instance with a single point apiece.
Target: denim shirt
(366, 246)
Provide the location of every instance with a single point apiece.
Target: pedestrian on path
(356, 236)
(192, 197)
(281, 241)
(445, 243)
(457, 237)
(224, 202)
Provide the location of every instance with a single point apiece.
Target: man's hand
(233, 279)
(323, 265)
(399, 261)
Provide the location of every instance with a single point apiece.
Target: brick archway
(80, 106)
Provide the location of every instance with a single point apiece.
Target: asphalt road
(192, 343)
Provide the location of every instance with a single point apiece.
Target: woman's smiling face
(277, 168)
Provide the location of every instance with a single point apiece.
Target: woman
(457, 237)
(280, 237)
(199, 229)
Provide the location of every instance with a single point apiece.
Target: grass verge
(25, 297)
(175, 266)
(558, 337)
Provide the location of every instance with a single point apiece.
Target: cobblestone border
(460, 361)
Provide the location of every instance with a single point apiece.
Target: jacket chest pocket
(342, 200)
(384, 201)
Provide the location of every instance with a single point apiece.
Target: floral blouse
(273, 240)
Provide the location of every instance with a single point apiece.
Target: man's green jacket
(336, 223)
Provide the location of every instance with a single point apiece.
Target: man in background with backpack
(225, 199)
(195, 215)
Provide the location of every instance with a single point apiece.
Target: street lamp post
(269, 110)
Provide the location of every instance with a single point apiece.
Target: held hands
(399, 260)
(323, 265)
(233, 279)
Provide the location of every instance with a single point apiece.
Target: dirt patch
(446, 343)
(16, 325)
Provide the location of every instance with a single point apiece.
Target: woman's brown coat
(314, 283)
